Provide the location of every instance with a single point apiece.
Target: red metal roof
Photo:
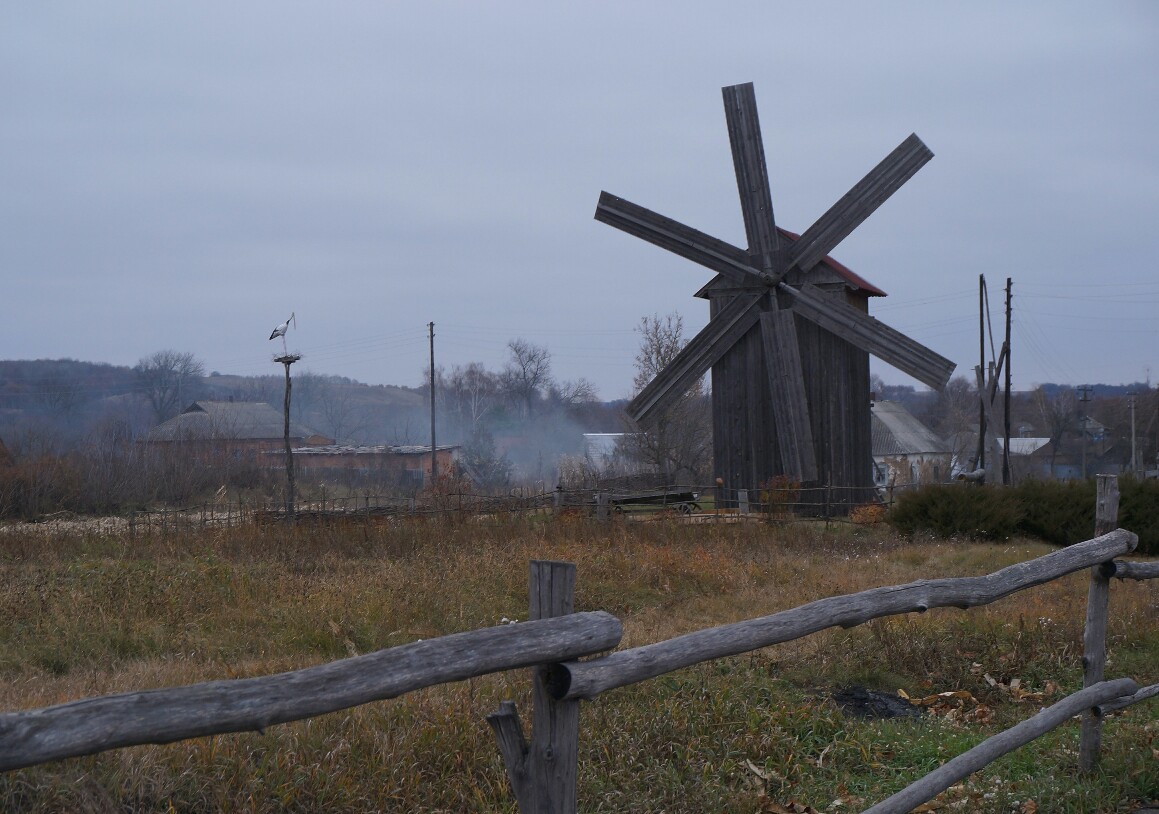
(854, 279)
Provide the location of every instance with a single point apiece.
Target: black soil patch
(862, 703)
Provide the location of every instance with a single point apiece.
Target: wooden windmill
(789, 337)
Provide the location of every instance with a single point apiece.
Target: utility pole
(1006, 479)
(434, 454)
(287, 360)
(1084, 397)
(1131, 404)
(981, 367)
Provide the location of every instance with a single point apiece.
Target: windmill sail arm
(871, 335)
(677, 238)
(787, 392)
(859, 203)
(702, 351)
(752, 175)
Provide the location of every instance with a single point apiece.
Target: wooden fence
(543, 771)
(813, 503)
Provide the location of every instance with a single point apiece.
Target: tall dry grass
(90, 614)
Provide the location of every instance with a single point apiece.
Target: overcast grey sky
(185, 175)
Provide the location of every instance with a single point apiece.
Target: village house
(1097, 453)
(242, 430)
(255, 432)
(406, 466)
(905, 451)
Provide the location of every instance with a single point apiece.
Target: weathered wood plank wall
(745, 446)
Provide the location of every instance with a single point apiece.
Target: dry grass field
(90, 613)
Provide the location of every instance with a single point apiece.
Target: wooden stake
(543, 774)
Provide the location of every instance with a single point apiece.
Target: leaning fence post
(543, 774)
(1095, 631)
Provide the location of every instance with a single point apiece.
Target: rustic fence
(830, 504)
(543, 771)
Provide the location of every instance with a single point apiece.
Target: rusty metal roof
(371, 449)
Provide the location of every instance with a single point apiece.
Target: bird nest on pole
(288, 359)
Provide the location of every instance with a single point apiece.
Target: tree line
(71, 432)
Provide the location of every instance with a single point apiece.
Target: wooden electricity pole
(981, 455)
(288, 360)
(434, 454)
(1134, 464)
(1006, 480)
(1084, 397)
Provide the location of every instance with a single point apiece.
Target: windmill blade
(703, 350)
(871, 335)
(676, 237)
(752, 174)
(859, 203)
(787, 392)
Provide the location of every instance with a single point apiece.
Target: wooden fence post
(602, 506)
(1095, 630)
(543, 774)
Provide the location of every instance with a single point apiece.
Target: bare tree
(470, 392)
(954, 417)
(527, 374)
(1059, 411)
(660, 341)
(309, 389)
(168, 378)
(573, 393)
(678, 444)
(334, 408)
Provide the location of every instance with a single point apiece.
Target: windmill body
(789, 337)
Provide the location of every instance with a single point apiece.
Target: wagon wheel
(687, 508)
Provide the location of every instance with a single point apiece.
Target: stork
(281, 331)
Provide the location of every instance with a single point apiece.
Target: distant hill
(54, 384)
(59, 401)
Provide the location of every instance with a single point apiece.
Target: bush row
(84, 482)
(1059, 512)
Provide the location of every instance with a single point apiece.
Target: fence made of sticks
(543, 771)
(705, 503)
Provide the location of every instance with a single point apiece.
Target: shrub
(867, 514)
(954, 510)
(36, 486)
(1059, 512)
(1139, 512)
